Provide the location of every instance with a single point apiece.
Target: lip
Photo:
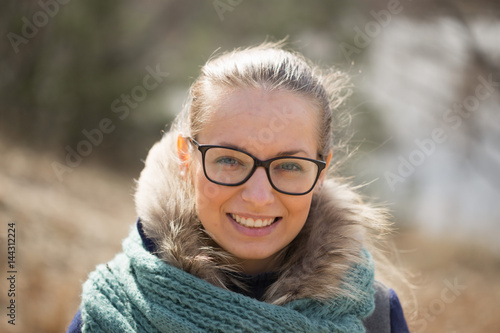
(254, 232)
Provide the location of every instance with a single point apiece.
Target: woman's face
(266, 125)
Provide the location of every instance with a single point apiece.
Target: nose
(257, 190)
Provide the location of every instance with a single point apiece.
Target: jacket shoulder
(76, 323)
(388, 316)
(379, 320)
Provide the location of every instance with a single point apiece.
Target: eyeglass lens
(230, 167)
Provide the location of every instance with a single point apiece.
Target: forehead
(257, 120)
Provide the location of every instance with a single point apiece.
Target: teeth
(251, 223)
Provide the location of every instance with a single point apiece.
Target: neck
(257, 266)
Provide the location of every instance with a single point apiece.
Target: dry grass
(65, 228)
(457, 285)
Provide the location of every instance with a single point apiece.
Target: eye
(227, 160)
(289, 166)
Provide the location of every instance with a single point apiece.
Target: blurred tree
(63, 64)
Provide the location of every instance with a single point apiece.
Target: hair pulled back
(271, 68)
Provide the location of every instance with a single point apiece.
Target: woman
(240, 228)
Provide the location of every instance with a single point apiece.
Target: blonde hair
(271, 68)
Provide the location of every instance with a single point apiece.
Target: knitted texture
(137, 292)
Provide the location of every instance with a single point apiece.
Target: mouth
(250, 222)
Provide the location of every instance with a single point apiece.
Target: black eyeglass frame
(257, 163)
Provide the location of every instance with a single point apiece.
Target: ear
(183, 154)
(324, 172)
(328, 160)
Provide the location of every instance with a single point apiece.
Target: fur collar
(312, 266)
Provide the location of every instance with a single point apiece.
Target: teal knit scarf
(137, 292)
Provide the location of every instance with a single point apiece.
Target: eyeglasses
(232, 167)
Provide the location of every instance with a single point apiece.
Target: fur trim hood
(313, 265)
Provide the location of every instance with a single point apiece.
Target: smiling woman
(240, 228)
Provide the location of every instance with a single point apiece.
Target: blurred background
(86, 87)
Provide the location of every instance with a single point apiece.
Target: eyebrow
(283, 153)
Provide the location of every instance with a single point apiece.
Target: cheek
(206, 192)
(210, 197)
(298, 209)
